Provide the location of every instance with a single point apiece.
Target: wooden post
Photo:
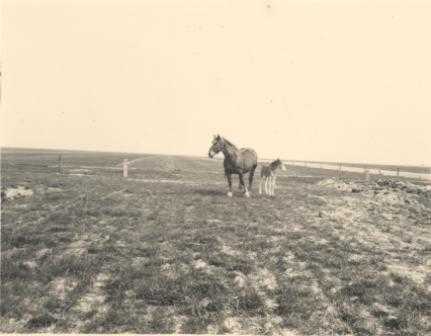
(125, 168)
(366, 174)
(86, 199)
(60, 164)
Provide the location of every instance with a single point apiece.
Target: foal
(268, 175)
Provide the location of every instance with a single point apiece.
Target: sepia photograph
(215, 167)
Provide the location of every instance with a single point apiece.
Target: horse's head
(217, 146)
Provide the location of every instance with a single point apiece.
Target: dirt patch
(340, 185)
(418, 274)
(78, 248)
(43, 253)
(263, 278)
(388, 200)
(60, 287)
(94, 300)
(200, 265)
(168, 271)
(229, 251)
(20, 191)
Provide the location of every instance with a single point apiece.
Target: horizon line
(426, 165)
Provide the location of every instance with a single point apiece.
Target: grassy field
(166, 251)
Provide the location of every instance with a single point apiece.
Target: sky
(345, 81)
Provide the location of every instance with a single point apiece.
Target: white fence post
(125, 168)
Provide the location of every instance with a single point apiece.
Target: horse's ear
(218, 137)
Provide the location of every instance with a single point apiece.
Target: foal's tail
(263, 170)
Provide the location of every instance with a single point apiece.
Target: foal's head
(217, 146)
(277, 164)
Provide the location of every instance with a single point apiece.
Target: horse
(236, 161)
(268, 175)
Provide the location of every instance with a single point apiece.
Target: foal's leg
(270, 185)
(250, 177)
(266, 184)
(260, 184)
(273, 186)
(271, 178)
(229, 181)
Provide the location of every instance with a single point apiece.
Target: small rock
(42, 253)
(200, 264)
(30, 264)
(204, 302)
(380, 309)
(232, 324)
(392, 322)
(240, 280)
(41, 321)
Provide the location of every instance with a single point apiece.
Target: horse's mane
(229, 143)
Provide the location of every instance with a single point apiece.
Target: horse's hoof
(247, 194)
(229, 194)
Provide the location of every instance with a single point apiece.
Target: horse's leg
(229, 182)
(266, 184)
(260, 185)
(241, 178)
(240, 186)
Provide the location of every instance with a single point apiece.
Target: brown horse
(236, 161)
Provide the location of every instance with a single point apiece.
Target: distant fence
(125, 166)
(360, 170)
